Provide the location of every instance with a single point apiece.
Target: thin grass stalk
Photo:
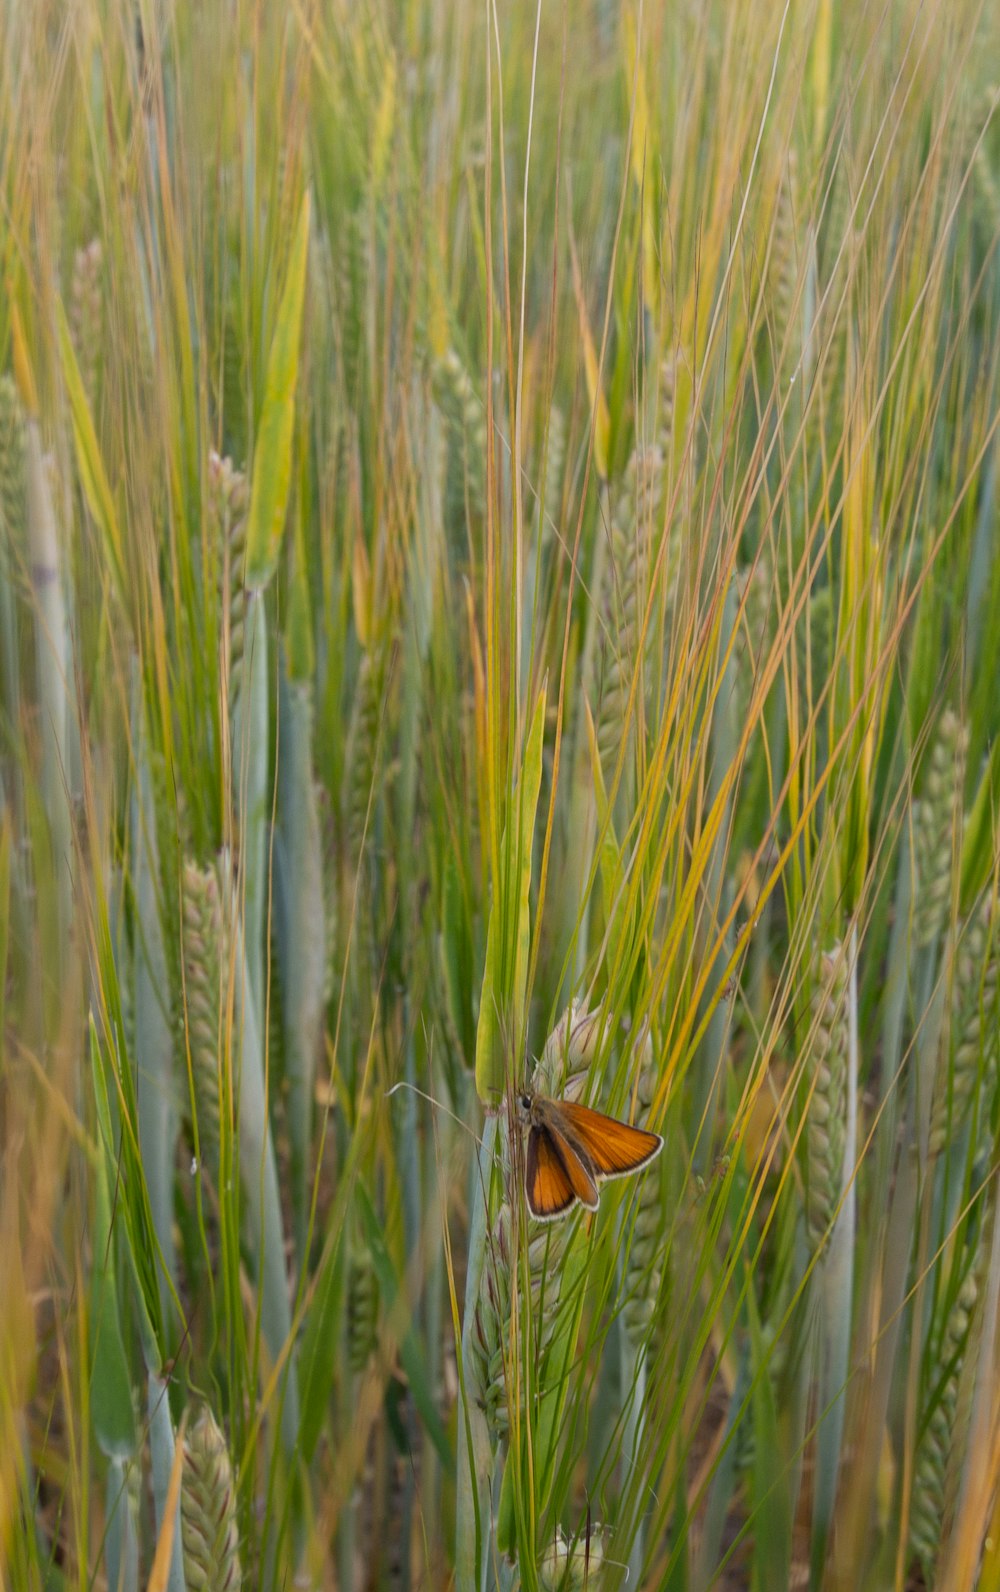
(712, 1051)
(639, 1274)
(251, 757)
(302, 933)
(13, 514)
(705, 1558)
(981, 566)
(26, 1550)
(437, 1156)
(582, 833)
(13, 517)
(773, 724)
(474, 1463)
(86, 302)
(110, 1390)
(418, 1180)
(547, 493)
(896, 985)
(911, 968)
(772, 1479)
(347, 1526)
(908, 1396)
(898, 1249)
(582, 821)
(259, 1176)
(633, 1360)
(8, 907)
(159, 1118)
(161, 1449)
(408, 1160)
(121, 1546)
(927, 1044)
(55, 670)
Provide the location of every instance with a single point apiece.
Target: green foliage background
(499, 579)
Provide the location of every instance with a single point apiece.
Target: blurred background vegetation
(499, 577)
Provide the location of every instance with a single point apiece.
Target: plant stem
(475, 1462)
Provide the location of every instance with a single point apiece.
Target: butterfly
(572, 1148)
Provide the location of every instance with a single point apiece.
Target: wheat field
(499, 590)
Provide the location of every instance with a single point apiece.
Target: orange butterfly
(572, 1148)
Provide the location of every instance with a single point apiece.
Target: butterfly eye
(525, 1102)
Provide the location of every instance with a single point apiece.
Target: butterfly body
(572, 1149)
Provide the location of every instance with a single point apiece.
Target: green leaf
(621, 908)
(162, 1450)
(508, 938)
(456, 956)
(145, 1295)
(980, 835)
(924, 672)
(772, 1506)
(411, 1351)
(317, 1362)
(506, 1510)
(102, 1099)
(272, 454)
(110, 1390)
(611, 857)
(121, 1544)
(298, 621)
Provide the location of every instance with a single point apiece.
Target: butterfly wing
(613, 1148)
(547, 1182)
(554, 1175)
(582, 1176)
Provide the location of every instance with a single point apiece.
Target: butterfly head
(525, 1106)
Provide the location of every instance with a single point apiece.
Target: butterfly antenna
(404, 1083)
